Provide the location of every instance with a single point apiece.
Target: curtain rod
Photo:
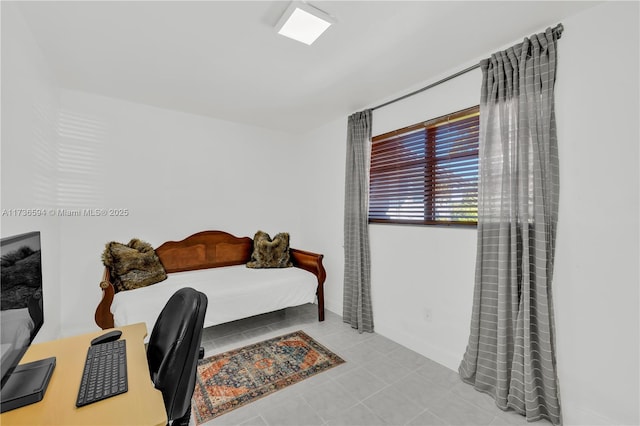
(558, 30)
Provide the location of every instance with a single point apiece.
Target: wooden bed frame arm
(312, 262)
(103, 316)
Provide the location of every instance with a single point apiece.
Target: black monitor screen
(21, 311)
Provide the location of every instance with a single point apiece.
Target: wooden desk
(142, 404)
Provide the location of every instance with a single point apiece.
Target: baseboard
(573, 414)
(449, 360)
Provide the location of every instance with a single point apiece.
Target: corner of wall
(30, 106)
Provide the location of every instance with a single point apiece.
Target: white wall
(29, 110)
(175, 173)
(596, 272)
(321, 159)
(425, 288)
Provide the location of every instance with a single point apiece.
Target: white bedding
(233, 292)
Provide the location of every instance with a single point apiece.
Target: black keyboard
(105, 372)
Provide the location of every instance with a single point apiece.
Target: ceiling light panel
(303, 22)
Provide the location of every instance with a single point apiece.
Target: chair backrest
(173, 349)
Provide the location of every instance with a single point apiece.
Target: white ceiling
(224, 59)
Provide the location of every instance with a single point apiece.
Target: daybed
(213, 262)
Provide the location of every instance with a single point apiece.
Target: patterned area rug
(230, 380)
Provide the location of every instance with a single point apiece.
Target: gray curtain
(511, 349)
(357, 265)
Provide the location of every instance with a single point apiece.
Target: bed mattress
(233, 292)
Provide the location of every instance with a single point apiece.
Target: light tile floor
(381, 383)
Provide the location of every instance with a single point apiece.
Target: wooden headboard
(207, 249)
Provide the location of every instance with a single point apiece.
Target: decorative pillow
(268, 253)
(133, 265)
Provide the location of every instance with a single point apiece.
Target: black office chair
(174, 349)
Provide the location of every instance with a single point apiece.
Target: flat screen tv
(21, 317)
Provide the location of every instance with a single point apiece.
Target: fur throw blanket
(268, 253)
(132, 265)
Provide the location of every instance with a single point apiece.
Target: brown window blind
(427, 173)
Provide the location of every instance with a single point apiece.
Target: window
(427, 174)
